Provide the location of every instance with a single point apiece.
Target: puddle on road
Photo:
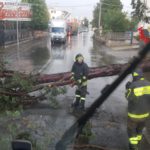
(39, 56)
(100, 56)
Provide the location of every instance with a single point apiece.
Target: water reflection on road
(40, 55)
(62, 56)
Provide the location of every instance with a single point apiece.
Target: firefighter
(80, 76)
(138, 96)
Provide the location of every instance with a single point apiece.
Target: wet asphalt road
(109, 124)
(41, 56)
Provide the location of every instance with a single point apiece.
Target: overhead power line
(87, 5)
(84, 5)
(110, 4)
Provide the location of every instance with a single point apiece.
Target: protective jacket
(80, 72)
(138, 96)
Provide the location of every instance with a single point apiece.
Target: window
(57, 30)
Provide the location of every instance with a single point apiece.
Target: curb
(123, 48)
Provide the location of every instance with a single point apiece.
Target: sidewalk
(127, 47)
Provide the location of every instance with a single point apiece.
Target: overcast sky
(82, 8)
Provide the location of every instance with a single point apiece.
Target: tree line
(114, 19)
(40, 15)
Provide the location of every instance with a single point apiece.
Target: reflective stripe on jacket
(138, 95)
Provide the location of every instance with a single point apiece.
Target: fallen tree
(39, 81)
(96, 72)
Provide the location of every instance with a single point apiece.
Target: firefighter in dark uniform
(138, 96)
(80, 72)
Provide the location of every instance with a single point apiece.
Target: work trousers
(135, 128)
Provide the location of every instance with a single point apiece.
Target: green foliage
(52, 93)
(87, 130)
(113, 19)
(26, 136)
(133, 24)
(14, 114)
(115, 22)
(85, 135)
(139, 10)
(2, 62)
(40, 15)
(5, 142)
(13, 84)
(18, 83)
(44, 144)
(14, 134)
(1, 66)
(13, 128)
(8, 103)
(24, 1)
(95, 16)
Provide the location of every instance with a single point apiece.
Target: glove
(79, 82)
(72, 80)
(128, 85)
(84, 78)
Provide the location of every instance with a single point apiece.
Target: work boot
(82, 105)
(140, 136)
(133, 147)
(76, 103)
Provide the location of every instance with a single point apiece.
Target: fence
(117, 36)
(8, 32)
(10, 36)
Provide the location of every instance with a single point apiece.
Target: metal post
(145, 1)
(131, 38)
(17, 26)
(17, 29)
(100, 14)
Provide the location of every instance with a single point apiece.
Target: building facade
(58, 14)
(13, 15)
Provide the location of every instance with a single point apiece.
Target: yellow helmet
(79, 57)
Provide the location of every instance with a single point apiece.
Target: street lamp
(100, 15)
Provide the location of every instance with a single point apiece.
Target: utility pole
(145, 1)
(100, 14)
(17, 26)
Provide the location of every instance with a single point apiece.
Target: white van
(58, 30)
